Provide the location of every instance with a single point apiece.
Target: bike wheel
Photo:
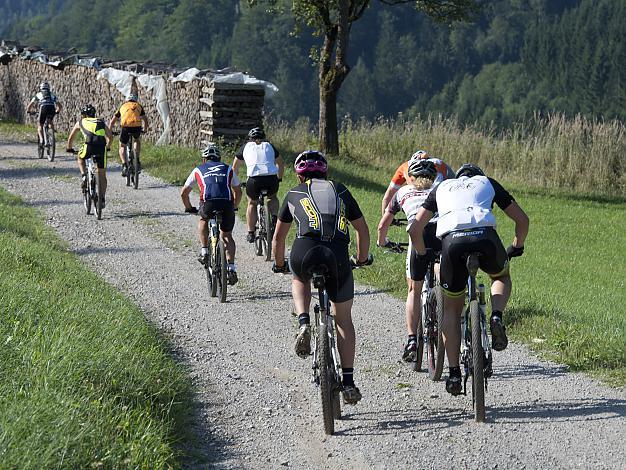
(135, 178)
(478, 356)
(40, 147)
(221, 272)
(436, 351)
(417, 364)
(87, 200)
(51, 149)
(269, 232)
(129, 161)
(261, 232)
(210, 273)
(98, 195)
(326, 380)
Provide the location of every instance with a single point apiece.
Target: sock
(304, 319)
(455, 372)
(496, 313)
(412, 338)
(348, 376)
(204, 250)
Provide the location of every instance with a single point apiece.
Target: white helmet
(211, 152)
(44, 86)
(419, 155)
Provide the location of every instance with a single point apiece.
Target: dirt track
(256, 407)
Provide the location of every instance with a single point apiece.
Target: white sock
(204, 250)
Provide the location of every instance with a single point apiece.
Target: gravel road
(256, 406)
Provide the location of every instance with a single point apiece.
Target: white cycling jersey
(260, 159)
(409, 200)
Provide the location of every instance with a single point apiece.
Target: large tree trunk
(328, 132)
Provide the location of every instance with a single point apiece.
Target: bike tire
(417, 364)
(478, 356)
(40, 148)
(269, 233)
(51, 150)
(129, 160)
(262, 231)
(210, 272)
(135, 178)
(87, 200)
(436, 350)
(326, 381)
(221, 273)
(98, 195)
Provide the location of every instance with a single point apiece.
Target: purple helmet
(310, 161)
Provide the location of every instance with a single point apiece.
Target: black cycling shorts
(127, 132)
(455, 247)
(416, 265)
(255, 184)
(98, 151)
(207, 210)
(309, 254)
(46, 111)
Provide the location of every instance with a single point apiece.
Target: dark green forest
(517, 58)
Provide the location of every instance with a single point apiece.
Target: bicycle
(92, 187)
(216, 265)
(431, 321)
(476, 354)
(326, 363)
(132, 164)
(265, 225)
(48, 146)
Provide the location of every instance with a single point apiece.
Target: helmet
(419, 155)
(424, 168)
(470, 170)
(211, 152)
(256, 133)
(311, 161)
(88, 110)
(44, 86)
(132, 97)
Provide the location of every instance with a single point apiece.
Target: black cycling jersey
(322, 210)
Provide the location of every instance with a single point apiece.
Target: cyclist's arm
(184, 195)
(281, 167)
(109, 136)
(235, 165)
(113, 121)
(73, 133)
(278, 242)
(383, 227)
(144, 118)
(416, 231)
(31, 105)
(517, 214)
(389, 194)
(362, 239)
(59, 107)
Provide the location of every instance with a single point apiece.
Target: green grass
(568, 292)
(17, 132)
(84, 380)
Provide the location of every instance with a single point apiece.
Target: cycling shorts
(417, 265)
(135, 132)
(455, 247)
(207, 210)
(255, 184)
(46, 111)
(308, 254)
(99, 153)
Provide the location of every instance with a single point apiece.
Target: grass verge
(84, 380)
(568, 287)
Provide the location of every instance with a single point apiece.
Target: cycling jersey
(93, 130)
(408, 199)
(214, 180)
(322, 210)
(130, 114)
(465, 203)
(260, 158)
(45, 98)
(401, 175)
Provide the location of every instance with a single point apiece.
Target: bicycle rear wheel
(135, 177)
(98, 195)
(436, 352)
(87, 199)
(269, 234)
(262, 232)
(478, 356)
(210, 273)
(326, 381)
(51, 148)
(129, 160)
(417, 364)
(222, 280)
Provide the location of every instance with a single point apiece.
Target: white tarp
(187, 76)
(243, 79)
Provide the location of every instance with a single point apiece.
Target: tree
(332, 20)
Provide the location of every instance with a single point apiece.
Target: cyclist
(322, 210)
(131, 115)
(409, 198)
(265, 171)
(49, 106)
(98, 138)
(219, 191)
(400, 176)
(466, 224)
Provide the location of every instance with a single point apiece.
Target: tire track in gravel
(256, 407)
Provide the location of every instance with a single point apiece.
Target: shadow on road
(593, 409)
(111, 250)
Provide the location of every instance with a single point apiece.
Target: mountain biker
(219, 191)
(265, 171)
(409, 198)
(322, 210)
(400, 176)
(466, 224)
(49, 106)
(131, 115)
(98, 138)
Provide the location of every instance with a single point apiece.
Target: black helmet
(88, 110)
(470, 170)
(424, 168)
(256, 133)
(211, 152)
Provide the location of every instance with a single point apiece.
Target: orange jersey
(401, 175)
(130, 114)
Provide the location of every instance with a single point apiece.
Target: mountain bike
(476, 356)
(432, 319)
(216, 266)
(92, 187)
(48, 146)
(265, 225)
(326, 363)
(132, 164)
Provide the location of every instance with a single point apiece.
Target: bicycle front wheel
(478, 356)
(40, 147)
(326, 381)
(417, 364)
(222, 282)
